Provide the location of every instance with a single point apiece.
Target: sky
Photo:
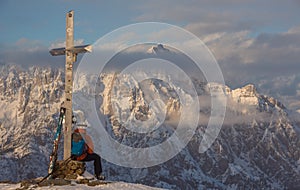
(254, 41)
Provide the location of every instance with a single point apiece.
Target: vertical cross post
(70, 58)
(70, 53)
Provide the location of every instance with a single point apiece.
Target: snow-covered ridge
(112, 85)
(249, 152)
(249, 95)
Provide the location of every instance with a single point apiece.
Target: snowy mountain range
(257, 147)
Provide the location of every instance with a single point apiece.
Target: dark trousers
(97, 162)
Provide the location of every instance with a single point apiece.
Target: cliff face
(29, 102)
(257, 147)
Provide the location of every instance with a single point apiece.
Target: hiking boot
(100, 177)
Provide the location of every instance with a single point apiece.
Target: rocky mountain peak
(245, 95)
(158, 49)
(248, 95)
(259, 153)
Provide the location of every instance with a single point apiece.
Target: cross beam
(70, 51)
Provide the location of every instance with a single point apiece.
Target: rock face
(28, 116)
(69, 169)
(257, 147)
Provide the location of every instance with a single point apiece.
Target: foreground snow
(116, 185)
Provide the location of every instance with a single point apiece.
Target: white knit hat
(81, 126)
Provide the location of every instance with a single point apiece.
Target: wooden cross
(70, 51)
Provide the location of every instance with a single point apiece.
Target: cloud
(294, 30)
(236, 113)
(26, 53)
(264, 55)
(250, 39)
(27, 45)
(242, 57)
(285, 88)
(269, 60)
(210, 16)
(60, 43)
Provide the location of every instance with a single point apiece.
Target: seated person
(82, 150)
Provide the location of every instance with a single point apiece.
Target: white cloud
(211, 16)
(266, 53)
(26, 53)
(27, 45)
(228, 45)
(269, 60)
(61, 43)
(294, 30)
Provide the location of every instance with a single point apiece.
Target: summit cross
(70, 52)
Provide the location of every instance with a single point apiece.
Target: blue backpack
(77, 147)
